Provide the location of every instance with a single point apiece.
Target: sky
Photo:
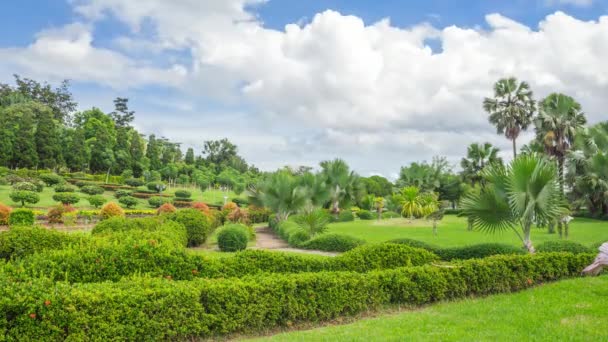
(378, 83)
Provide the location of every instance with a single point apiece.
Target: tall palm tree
(559, 120)
(522, 194)
(411, 202)
(478, 157)
(343, 184)
(279, 192)
(511, 109)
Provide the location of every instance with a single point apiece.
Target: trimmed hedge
(563, 246)
(18, 242)
(344, 216)
(196, 223)
(175, 310)
(366, 215)
(463, 253)
(332, 243)
(233, 238)
(21, 217)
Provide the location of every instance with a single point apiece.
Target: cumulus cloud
(374, 93)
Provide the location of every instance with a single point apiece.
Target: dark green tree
(189, 156)
(47, 138)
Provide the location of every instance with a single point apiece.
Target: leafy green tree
(60, 99)
(76, 154)
(24, 147)
(47, 139)
(153, 152)
(522, 194)
(121, 115)
(378, 186)
(122, 153)
(24, 196)
(511, 109)
(343, 185)
(478, 157)
(137, 151)
(425, 176)
(189, 159)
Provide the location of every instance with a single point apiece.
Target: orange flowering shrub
(202, 207)
(111, 210)
(5, 212)
(166, 208)
(56, 213)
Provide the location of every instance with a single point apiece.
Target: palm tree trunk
(526, 240)
(514, 148)
(560, 175)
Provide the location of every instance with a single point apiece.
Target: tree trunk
(551, 228)
(527, 242)
(435, 227)
(514, 148)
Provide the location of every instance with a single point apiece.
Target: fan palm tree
(343, 184)
(281, 193)
(478, 157)
(516, 197)
(511, 109)
(411, 202)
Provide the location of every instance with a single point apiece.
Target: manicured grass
(570, 310)
(452, 231)
(46, 197)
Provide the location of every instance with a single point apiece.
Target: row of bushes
(173, 310)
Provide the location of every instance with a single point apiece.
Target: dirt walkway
(265, 238)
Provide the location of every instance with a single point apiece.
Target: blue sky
(337, 83)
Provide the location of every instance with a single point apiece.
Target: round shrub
(478, 251)
(111, 210)
(134, 182)
(345, 216)
(332, 243)
(365, 215)
(25, 186)
(390, 215)
(5, 212)
(298, 237)
(51, 179)
(386, 255)
(202, 207)
(233, 238)
(416, 244)
(196, 223)
(128, 201)
(563, 246)
(156, 186)
(92, 190)
(24, 196)
(183, 194)
(56, 213)
(166, 208)
(65, 188)
(21, 217)
(157, 201)
(97, 200)
(66, 198)
(122, 193)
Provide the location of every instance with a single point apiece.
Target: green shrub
(18, 241)
(66, 198)
(134, 182)
(563, 246)
(57, 213)
(380, 256)
(478, 251)
(21, 217)
(128, 201)
(298, 237)
(157, 201)
(65, 187)
(51, 179)
(332, 243)
(390, 215)
(24, 196)
(196, 223)
(232, 238)
(25, 186)
(286, 229)
(416, 244)
(314, 222)
(345, 216)
(97, 200)
(172, 232)
(92, 190)
(158, 187)
(366, 215)
(181, 194)
(122, 193)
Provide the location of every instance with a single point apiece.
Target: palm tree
(279, 192)
(511, 109)
(411, 202)
(342, 183)
(316, 189)
(478, 157)
(522, 194)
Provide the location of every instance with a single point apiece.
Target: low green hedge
(481, 250)
(18, 242)
(366, 215)
(21, 217)
(182, 310)
(563, 246)
(332, 242)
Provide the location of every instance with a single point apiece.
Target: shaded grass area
(570, 310)
(452, 232)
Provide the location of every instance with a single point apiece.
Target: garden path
(266, 239)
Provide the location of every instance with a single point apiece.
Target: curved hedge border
(168, 310)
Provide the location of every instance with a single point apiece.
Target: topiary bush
(157, 187)
(96, 200)
(416, 244)
(5, 212)
(202, 207)
(65, 187)
(21, 217)
(111, 210)
(24, 196)
(21, 241)
(232, 238)
(56, 213)
(134, 182)
(51, 179)
(122, 193)
(366, 215)
(385, 255)
(478, 251)
(196, 223)
(157, 201)
(25, 186)
(183, 194)
(66, 198)
(128, 201)
(166, 208)
(332, 243)
(563, 246)
(92, 190)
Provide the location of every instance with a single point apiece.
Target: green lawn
(570, 310)
(46, 197)
(452, 231)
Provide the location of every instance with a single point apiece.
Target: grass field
(570, 310)
(46, 197)
(452, 231)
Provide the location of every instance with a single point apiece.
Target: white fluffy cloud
(338, 86)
